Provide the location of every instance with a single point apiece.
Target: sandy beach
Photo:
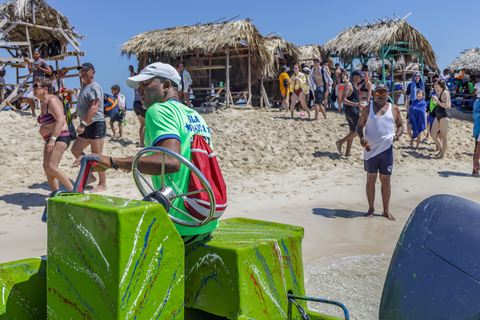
(277, 169)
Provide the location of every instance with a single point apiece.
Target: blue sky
(108, 24)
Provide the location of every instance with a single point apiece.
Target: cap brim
(133, 82)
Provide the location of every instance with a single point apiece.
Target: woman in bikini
(299, 84)
(54, 131)
(442, 117)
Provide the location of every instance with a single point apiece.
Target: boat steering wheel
(165, 195)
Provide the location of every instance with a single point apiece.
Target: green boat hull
(112, 258)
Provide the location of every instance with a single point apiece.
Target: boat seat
(246, 270)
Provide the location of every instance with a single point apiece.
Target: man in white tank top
(381, 118)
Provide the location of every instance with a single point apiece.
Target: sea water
(355, 281)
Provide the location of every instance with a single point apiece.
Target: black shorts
(67, 140)
(117, 117)
(138, 108)
(352, 114)
(95, 131)
(382, 162)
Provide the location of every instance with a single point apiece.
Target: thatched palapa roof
(470, 60)
(280, 48)
(20, 11)
(212, 38)
(367, 41)
(310, 51)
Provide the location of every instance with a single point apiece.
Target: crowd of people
(308, 88)
(161, 91)
(427, 100)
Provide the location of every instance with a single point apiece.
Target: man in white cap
(168, 124)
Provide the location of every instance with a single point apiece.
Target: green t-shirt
(171, 119)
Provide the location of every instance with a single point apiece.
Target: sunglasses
(35, 86)
(380, 93)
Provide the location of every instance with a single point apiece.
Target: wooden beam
(249, 74)
(217, 57)
(227, 74)
(14, 43)
(6, 31)
(196, 68)
(69, 40)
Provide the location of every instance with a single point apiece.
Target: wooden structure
(223, 59)
(384, 39)
(29, 24)
(281, 53)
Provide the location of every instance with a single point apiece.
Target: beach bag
(54, 48)
(68, 117)
(203, 157)
(110, 105)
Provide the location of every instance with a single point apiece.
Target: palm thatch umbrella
(367, 41)
(470, 60)
(311, 51)
(17, 14)
(281, 52)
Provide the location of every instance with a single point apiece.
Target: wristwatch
(83, 124)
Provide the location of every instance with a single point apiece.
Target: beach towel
(413, 86)
(417, 117)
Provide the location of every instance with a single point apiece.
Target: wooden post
(29, 43)
(79, 64)
(249, 74)
(261, 93)
(33, 12)
(209, 71)
(227, 74)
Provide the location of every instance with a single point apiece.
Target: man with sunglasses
(92, 128)
(380, 118)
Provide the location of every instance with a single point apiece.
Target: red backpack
(203, 157)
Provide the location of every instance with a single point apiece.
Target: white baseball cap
(156, 69)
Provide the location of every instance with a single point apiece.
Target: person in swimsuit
(54, 131)
(351, 101)
(317, 78)
(345, 78)
(442, 117)
(299, 88)
(380, 118)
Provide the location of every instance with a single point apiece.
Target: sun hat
(153, 70)
(86, 65)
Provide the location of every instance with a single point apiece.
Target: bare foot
(339, 147)
(388, 215)
(91, 179)
(348, 154)
(98, 189)
(411, 143)
(369, 213)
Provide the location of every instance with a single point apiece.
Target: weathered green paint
(23, 289)
(246, 270)
(112, 258)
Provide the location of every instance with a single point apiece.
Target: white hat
(156, 69)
